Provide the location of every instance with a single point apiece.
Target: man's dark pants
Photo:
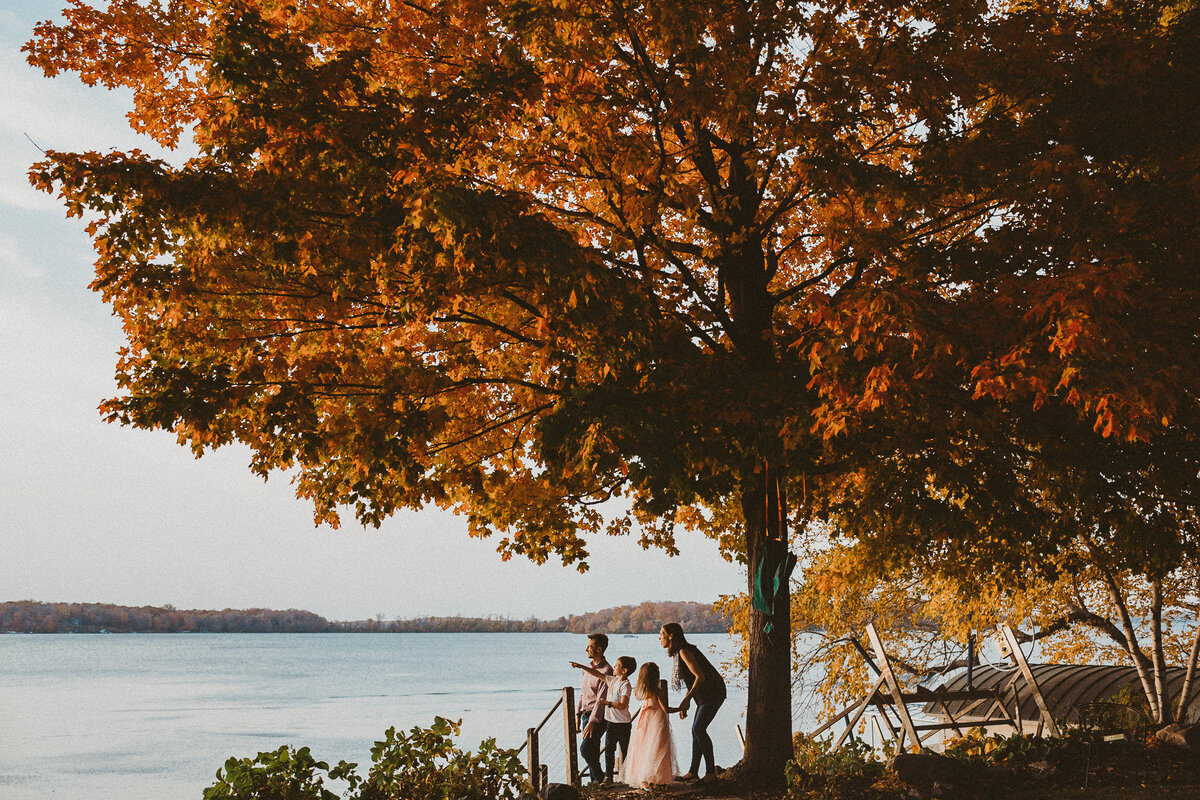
(589, 747)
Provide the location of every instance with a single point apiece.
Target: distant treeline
(643, 618)
(33, 617)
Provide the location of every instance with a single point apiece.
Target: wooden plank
(945, 726)
(942, 693)
(996, 713)
(568, 704)
(949, 716)
(1016, 690)
(891, 728)
(1019, 659)
(1004, 710)
(829, 723)
(535, 771)
(928, 696)
(885, 666)
(858, 714)
(969, 710)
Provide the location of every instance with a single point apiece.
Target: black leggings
(702, 746)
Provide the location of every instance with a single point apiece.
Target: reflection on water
(152, 717)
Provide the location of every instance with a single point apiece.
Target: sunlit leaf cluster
(519, 258)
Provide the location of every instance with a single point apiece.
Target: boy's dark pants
(618, 734)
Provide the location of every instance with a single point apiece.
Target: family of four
(647, 750)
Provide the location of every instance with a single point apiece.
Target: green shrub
(821, 772)
(423, 764)
(283, 774)
(1020, 748)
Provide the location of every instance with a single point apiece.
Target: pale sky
(92, 512)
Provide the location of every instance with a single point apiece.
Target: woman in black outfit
(705, 687)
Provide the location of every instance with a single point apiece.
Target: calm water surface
(152, 717)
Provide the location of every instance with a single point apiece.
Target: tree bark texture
(1159, 655)
(769, 704)
(1141, 663)
(1189, 677)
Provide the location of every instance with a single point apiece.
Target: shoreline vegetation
(28, 616)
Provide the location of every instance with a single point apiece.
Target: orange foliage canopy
(515, 258)
(518, 257)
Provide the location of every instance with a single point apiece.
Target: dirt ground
(719, 790)
(692, 791)
(716, 793)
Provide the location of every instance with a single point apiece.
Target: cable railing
(539, 769)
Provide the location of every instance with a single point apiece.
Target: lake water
(152, 717)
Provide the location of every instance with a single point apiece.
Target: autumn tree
(1099, 318)
(1015, 506)
(1094, 560)
(519, 258)
(1089, 613)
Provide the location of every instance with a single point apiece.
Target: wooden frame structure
(886, 695)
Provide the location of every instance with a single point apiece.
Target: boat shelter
(1021, 698)
(1077, 695)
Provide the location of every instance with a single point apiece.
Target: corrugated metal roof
(1072, 691)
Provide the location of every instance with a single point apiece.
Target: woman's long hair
(674, 632)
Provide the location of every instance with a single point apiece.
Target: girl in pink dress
(651, 756)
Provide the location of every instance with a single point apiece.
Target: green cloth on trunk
(775, 565)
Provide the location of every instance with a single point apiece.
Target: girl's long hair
(647, 681)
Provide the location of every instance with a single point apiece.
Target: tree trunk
(1189, 676)
(1159, 655)
(769, 705)
(1141, 663)
(745, 277)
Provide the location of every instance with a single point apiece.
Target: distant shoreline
(34, 617)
